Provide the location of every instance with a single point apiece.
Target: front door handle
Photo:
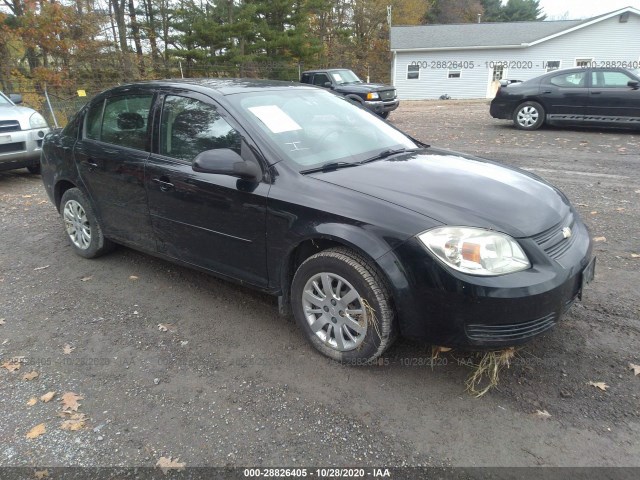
(92, 164)
(596, 93)
(547, 91)
(165, 184)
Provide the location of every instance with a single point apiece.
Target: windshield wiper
(387, 153)
(327, 167)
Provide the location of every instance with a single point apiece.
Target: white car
(22, 131)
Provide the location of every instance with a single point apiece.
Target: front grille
(387, 94)
(12, 147)
(553, 241)
(9, 126)
(510, 331)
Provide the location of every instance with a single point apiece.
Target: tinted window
(320, 79)
(569, 80)
(306, 78)
(190, 126)
(94, 121)
(610, 79)
(125, 121)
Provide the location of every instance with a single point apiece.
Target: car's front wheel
(342, 304)
(529, 116)
(81, 224)
(384, 114)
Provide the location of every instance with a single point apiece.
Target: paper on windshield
(336, 77)
(275, 119)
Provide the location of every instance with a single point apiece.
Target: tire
(81, 225)
(357, 332)
(529, 116)
(35, 169)
(384, 114)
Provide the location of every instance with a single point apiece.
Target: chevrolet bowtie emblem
(566, 232)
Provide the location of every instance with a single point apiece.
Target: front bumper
(381, 107)
(439, 305)
(22, 148)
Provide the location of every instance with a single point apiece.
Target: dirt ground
(230, 383)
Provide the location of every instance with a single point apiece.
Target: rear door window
(126, 121)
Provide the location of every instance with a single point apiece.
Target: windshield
(344, 77)
(4, 101)
(310, 128)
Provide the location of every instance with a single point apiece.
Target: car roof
(322, 70)
(220, 86)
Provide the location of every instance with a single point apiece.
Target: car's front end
(22, 131)
(381, 100)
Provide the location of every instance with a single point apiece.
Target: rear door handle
(547, 91)
(164, 183)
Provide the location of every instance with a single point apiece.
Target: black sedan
(362, 231)
(608, 97)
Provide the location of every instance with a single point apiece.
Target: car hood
(364, 87)
(459, 190)
(21, 114)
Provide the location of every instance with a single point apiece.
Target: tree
(453, 11)
(492, 10)
(522, 10)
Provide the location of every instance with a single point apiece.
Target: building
(468, 60)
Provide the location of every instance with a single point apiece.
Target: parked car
(362, 231)
(22, 131)
(607, 97)
(377, 97)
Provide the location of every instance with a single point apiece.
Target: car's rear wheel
(529, 116)
(35, 169)
(82, 227)
(342, 304)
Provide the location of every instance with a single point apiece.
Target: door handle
(92, 164)
(596, 93)
(164, 183)
(547, 91)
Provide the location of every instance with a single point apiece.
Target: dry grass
(371, 315)
(486, 372)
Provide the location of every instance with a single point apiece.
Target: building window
(584, 62)
(551, 65)
(413, 72)
(454, 73)
(498, 72)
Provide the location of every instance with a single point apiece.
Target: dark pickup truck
(377, 97)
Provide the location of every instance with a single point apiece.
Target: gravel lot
(232, 383)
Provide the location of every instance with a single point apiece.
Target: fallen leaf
(166, 464)
(31, 375)
(166, 327)
(621, 209)
(40, 474)
(74, 423)
(601, 385)
(32, 402)
(600, 239)
(133, 277)
(86, 279)
(36, 431)
(2, 322)
(41, 268)
(582, 205)
(594, 212)
(67, 349)
(70, 401)
(542, 414)
(12, 365)
(635, 368)
(635, 255)
(47, 397)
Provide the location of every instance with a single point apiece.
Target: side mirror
(224, 161)
(15, 98)
(328, 85)
(633, 84)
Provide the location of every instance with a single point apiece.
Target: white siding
(608, 40)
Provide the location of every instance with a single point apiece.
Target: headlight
(37, 121)
(475, 250)
(372, 96)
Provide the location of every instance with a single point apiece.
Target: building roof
(487, 35)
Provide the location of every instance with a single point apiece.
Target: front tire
(81, 224)
(342, 304)
(529, 116)
(384, 114)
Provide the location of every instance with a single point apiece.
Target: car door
(565, 96)
(611, 99)
(111, 154)
(216, 222)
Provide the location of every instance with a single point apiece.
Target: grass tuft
(487, 371)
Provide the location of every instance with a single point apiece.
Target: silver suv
(22, 131)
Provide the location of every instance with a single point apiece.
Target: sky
(577, 9)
